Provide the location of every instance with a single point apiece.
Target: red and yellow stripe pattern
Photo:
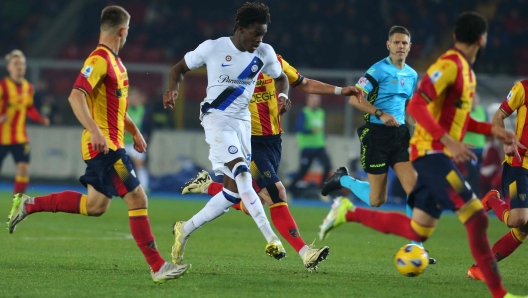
(15, 100)
(517, 101)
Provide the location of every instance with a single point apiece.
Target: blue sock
(360, 188)
(408, 210)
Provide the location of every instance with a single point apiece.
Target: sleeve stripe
(505, 113)
(363, 89)
(298, 82)
(425, 96)
(372, 80)
(82, 90)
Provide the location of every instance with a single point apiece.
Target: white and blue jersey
(231, 75)
(388, 88)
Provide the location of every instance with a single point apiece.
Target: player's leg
(305, 163)
(324, 159)
(21, 153)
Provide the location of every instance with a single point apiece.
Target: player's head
(471, 29)
(313, 101)
(114, 22)
(399, 43)
(251, 24)
(16, 64)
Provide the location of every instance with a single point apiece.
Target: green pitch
(58, 255)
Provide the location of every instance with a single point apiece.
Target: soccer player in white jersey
(233, 65)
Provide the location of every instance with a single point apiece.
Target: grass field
(58, 255)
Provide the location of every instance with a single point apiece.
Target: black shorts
(440, 185)
(20, 152)
(111, 174)
(515, 186)
(265, 158)
(383, 146)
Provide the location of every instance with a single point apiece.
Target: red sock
(236, 206)
(21, 183)
(385, 222)
(476, 228)
(66, 201)
(214, 188)
(506, 245)
(499, 207)
(140, 228)
(285, 224)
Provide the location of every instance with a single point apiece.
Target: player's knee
(517, 221)
(422, 232)
(241, 170)
(377, 201)
(277, 193)
(473, 210)
(96, 210)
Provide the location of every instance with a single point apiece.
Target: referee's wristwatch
(378, 113)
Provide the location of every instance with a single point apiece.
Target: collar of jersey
(104, 46)
(463, 55)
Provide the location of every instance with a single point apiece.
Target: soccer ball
(411, 260)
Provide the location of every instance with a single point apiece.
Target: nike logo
(253, 202)
(224, 65)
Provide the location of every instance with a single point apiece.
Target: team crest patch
(267, 174)
(402, 81)
(87, 71)
(363, 82)
(509, 96)
(152, 245)
(254, 68)
(228, 58)
(232, 149)
(435, 76)
(294, 233)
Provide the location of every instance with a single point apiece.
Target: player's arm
(33, 113)
(3, 116)
(139, 142)
(80, 108)
(408, 118)
(92, 73)
(190, 61)
(316, 87)
(283, 87)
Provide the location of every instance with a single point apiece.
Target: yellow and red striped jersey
(517, 101)
(265, 119)
(104, 81)
(16, 103)
(448, 86)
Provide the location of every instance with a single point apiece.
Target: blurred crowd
(339, 34)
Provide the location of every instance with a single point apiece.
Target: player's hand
(139, 143)
(169, 99)
(460, 152)
(353, 91)
(3, 118)
(45, 121)
(389, 120)
(510, 141)
(285, 105)
(99, 142)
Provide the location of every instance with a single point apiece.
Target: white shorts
(132, 153)
(228, 139)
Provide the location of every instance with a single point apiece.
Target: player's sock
(500, 208)
(143, 176)
(21, 183)
(508, 244)
(389, 223)
(217, 205)
(285, 224)
(251, 200)
(140, 228)
(214, 188)
(476, 227)
(360, 188)
(237, 206)
(408, 211)
(66, 201)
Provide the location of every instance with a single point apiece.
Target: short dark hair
(469, 27)
(399, 29)
(113, 16)
(252, 12)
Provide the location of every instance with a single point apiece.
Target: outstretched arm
(316, 87)
(176, 76)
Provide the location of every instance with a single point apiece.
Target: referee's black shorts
(383, 146)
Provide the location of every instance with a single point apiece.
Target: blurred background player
(388, 84)
(137, 111)
(266, 155)
(514, 211)
(16, 102)
(233, 66)
(311, 140)
(99, 100)
(446, 94)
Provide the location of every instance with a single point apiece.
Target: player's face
(252, 36)
(17, 67)
(399, 45)
(123, 33)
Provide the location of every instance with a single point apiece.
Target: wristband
(337, 90)
(283, 95)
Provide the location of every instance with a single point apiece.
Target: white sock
(216, 206)
(303, 251)
(252, 203)
(143, 176)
